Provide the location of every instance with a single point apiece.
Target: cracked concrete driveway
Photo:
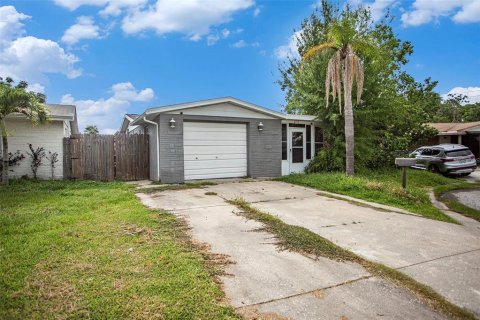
(441, 255)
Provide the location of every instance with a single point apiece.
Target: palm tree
(17, 99)
(343, 70)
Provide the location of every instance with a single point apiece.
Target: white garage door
(214, 150)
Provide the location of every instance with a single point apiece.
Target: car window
(426, 152)
(435, 152)
(458, 153)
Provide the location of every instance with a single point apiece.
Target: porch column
(459, 139)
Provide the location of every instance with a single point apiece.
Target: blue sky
(114, 56)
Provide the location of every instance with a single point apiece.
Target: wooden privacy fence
(106, 157)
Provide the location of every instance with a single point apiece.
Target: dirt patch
(252, 313)
(319, 294)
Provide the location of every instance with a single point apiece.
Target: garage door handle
(196, 158)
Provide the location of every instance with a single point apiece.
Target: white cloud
(11, 25)
(256, 12)
(212, 39)
(107, 113)
(215, 36)
(85, 28)
(191, 17)
(377, 7)
(289, 50)
(126, 91)
(425, 11)
(29, 58)
(36, 87)
(110, 7)
(240, 44)
(472, 93)
(114, 7)
(226, 33)
(469, 13)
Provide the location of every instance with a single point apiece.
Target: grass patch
(210, 193)
(384, 187)
(304, 241)
(452, 203)
(91, 250)
(183, 186)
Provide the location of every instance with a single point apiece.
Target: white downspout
(158, 146)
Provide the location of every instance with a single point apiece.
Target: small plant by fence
(106, 157)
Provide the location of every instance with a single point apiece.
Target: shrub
(36, 157)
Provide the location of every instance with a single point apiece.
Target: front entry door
(297, 148)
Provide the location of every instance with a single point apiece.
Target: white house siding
(49, 136)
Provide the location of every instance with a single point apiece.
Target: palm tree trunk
(349, 129)
(349, 138)
(3, 130)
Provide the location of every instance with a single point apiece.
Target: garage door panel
(213, 127)
(205, 150)
(214, 135)
(229, 171)
(223, 156)
(214, 176)
(207, 164)
(225, 142)
(214, 150)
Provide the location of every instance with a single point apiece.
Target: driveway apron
(281, 284)
(441, 255)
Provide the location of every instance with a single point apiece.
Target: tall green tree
(17, 99)
(471, 112)
(388, 118)
(343, 70)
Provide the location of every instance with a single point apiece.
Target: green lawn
(91, 250)
(385, 187)
(453, 204)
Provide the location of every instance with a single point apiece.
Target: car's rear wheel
(433, 168)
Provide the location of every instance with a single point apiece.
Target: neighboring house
(225, 138)
(63, 123)
(466, 133)
(126, 127)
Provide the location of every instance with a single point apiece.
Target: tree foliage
(91, 129)
(455, 108)
(391, 115)
(344, 69)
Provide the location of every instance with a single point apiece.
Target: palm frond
(317, 49)
(360, 79)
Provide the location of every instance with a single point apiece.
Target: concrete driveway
(281, 283)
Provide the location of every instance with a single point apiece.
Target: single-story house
(466, 133)
(224, 138)
(62, 123)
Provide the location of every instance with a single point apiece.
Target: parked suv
(445, 159)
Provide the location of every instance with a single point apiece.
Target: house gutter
(158, 145)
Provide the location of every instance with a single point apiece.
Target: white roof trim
(299, 117)
(50, 117)
(204, 103)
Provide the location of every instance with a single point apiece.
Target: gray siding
(171, 149)
(264, 148)
(151, 131)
